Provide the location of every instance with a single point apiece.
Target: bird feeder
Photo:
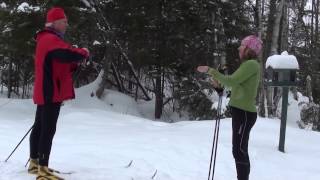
(282, 72)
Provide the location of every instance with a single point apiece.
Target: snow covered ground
(97, 140)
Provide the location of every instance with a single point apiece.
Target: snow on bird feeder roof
(283, 61)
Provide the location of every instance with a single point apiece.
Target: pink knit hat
(252, 42)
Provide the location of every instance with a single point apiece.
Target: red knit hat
(54, 14)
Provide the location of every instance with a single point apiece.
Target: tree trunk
(23, 91)
(266, 92)
(261, 109)
(316, 32)
(159, 94)
(294, 91)
(161, 44)
(271, 21)
(276, 98)
(283, 46)
(219, 44)
(1, 91)
(284, 28)
(130, 85)
(299, 25)
(17, 81)
(9, 78)
(116, 75)
(312, 27)
(309, 88)
(274, 49)
(137, 87)
(106, 69)
(276, 28)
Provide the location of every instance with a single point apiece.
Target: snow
(97, 141)
(7, 29)
(308, 5)
(86, 3)
(25, 7)
(294, 108)
(283, 61)
(3, 5)
(96, 42)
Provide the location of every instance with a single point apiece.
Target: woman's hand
(215, 83)
(217, 86)
(203, 69)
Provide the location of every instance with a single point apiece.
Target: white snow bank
(97, 145)
(97, 142)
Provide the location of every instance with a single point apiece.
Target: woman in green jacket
(244, 84)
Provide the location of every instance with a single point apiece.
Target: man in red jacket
(55, 61)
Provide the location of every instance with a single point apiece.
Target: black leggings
(43, 131)
(242, 122)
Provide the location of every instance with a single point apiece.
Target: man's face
(60, 25)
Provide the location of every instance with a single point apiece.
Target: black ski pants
(43, 131)
(242, 122)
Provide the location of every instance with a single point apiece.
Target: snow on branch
(85, 2)
(3, 5)
(88, 5)
(26, 8)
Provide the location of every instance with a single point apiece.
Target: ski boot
(44, 173)
(33, 166)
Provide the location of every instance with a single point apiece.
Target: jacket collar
(50, 30)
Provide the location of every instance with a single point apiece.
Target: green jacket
(243, 83)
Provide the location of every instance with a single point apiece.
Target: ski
(129, 165)
(154, 174)
(151, 177)
(61, 172)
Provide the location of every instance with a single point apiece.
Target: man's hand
(86, 50)
(84, 62)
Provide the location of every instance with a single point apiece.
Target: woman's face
(241, 50)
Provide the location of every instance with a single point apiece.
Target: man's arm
(65, 53)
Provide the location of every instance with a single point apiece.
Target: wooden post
(285, 92)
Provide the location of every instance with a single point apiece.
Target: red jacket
(54, 63)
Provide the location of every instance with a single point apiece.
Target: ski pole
(27, 162)
(215, 140)
(217, 136)
(219, 90)
(19, 143)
